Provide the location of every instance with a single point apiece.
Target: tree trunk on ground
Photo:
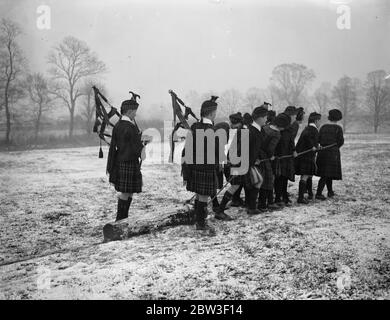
(122, 229)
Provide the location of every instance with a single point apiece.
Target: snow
(53, 200)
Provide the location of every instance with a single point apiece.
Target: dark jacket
(126, 144)
(205, 165)
(255, 143)
(271, 138)
(286, 146)
(308, 139)
(305, 163)
(329, 160)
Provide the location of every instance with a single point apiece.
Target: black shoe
(237, 203)
(310, 197)
(320, 197)
(253, 211)
(205, 227)
(302, 201)
(331, 194)
(220, 215)
(287, 202)
(274, 206)
(280, 204)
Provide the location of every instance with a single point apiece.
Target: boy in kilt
(305, 164)
(271, 136)
(236, 181)
(284, 168)
(203, 178)
(123, 163)
(256, 138)
(237, 122)
(328, 160)
(221, 170)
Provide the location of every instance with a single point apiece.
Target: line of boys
(270, 137)
(271, 140)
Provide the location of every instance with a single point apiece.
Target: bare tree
(345, 95)
(254, 97)
(38, 90)
(378, 96)
(230, 101)
(11, 63)
(289, 80)
(72, 62)
(323, 97)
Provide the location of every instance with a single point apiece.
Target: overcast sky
(153, 46)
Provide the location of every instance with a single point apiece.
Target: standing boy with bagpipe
(329, 161)
(123, 163)
(305, 165)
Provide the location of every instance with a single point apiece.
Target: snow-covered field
(58, 201)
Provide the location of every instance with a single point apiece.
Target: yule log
(136, 225)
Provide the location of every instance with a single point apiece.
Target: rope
(261, 161)
(299, 154)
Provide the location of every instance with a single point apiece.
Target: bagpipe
(177, 105)
(103, 119)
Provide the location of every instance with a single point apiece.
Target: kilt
(129, 177)
(267, 174)
(203, 181)
(238, 180)
(286, 168)
(329, 164)
(305, 166)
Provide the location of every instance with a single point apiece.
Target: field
(54, 203)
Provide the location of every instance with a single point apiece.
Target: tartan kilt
(237, 179)
(129, 177)
(287, 168)
(203, 181)
(305, 166)
(267, 174)
(329, 164)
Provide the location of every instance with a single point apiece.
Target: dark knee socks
(226, 198)
(266, 197)
(309, 186)
(321, 185)
(215, 203)
(123, 208)
(252, 199)
(329, 185)
(237, 194)
(278, 189)
(200, 212)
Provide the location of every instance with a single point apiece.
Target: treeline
(27, 98)
(365, 101)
